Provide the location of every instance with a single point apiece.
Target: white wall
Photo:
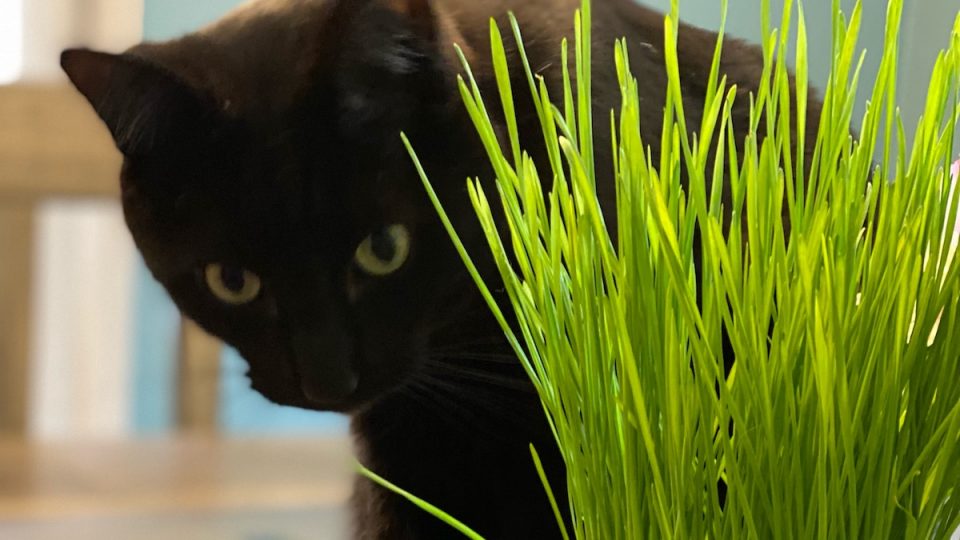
(81, 364)
(52, 25)
(11, 39)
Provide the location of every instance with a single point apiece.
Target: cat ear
(145, 107)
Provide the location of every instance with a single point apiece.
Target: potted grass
(845, 394)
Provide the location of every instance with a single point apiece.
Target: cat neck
(472, 462)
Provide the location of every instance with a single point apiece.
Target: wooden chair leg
(16, 253)
(198, 380)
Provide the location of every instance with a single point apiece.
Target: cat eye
(384, 252)
(231, 284)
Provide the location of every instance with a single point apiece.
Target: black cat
(266, 186)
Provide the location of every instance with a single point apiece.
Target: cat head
(266, 185)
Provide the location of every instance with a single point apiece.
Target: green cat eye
(384, 252)
(232, 285)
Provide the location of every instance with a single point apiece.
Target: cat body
(267, 188)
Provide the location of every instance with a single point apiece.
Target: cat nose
(326, 373)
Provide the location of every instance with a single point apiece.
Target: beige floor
(182, 490)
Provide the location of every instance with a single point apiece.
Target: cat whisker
(447, 404)
(465, 354)
(471, 343)
(487, 377)
(508, 397)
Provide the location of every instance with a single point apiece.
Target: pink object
(955, 170)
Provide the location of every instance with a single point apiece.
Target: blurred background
(117, 419)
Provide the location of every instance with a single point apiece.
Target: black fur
(270, 141)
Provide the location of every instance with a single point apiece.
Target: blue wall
(925, 30)
(165, 19)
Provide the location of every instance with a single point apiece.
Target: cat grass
(841, 415)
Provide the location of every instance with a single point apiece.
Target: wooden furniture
(52, 145)
(16, 227)
(184, 488)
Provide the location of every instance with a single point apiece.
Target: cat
(266, 186)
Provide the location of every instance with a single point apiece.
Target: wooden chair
(53, 146)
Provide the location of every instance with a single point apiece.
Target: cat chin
(292, 396)
(300, 401)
